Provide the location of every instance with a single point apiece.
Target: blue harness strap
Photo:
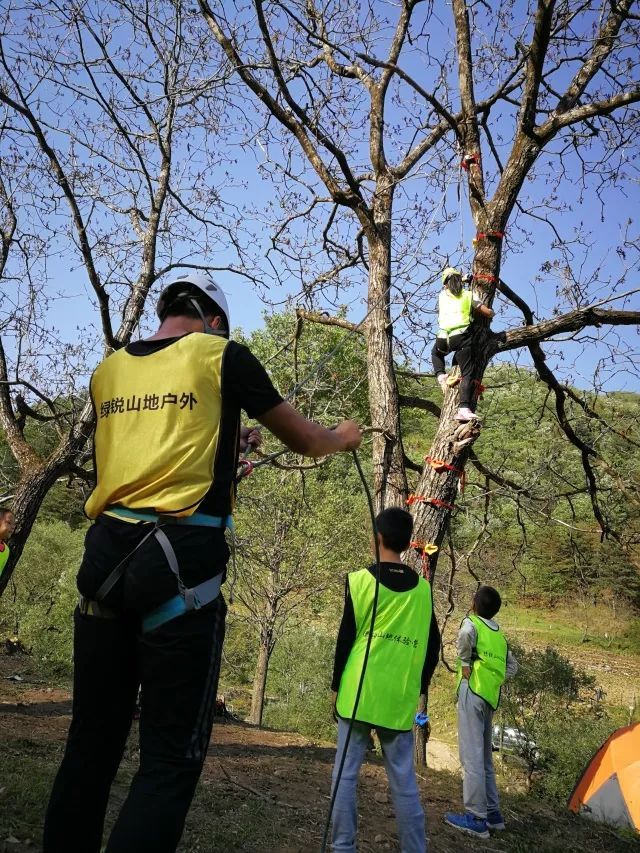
(203, 594)
(198, 519)
(188, 598)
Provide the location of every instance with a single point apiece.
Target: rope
(374, 611)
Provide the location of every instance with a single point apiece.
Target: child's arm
(481, 310)
(467, 639)
(512, 665)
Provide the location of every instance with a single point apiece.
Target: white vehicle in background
(510, 739)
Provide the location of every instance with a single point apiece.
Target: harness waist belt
(445, 333)
(198, 519)
(188, 598)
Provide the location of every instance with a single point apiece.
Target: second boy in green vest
(403, 655)
(484, 661)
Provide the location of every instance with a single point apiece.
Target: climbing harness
(187, 598)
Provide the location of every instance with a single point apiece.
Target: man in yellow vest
(403, 655)
(7, 526)
(484, 661)
(150, 614)
(456, 311)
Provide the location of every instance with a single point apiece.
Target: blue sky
(528, 260)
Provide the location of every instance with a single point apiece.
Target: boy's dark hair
(487, 601)
(4, 510)
(395, 526)
(181, 306)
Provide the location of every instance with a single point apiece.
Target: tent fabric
(609, 787)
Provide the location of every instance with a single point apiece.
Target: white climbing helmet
(449, 271)
(200, 281)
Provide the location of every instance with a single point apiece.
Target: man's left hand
(250, 436)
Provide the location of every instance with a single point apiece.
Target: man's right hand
(349, 432)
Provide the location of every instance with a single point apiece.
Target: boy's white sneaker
(442, 381)
(464, 415)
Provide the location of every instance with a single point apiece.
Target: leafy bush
(40, 611)
(557, 708)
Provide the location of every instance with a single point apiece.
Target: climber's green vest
(488, 670)
(391, 687)
(455, 312)
(4, 555)
(157, 426)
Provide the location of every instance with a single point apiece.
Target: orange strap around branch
(490, 235)
(425, 549)
(438, 465)
(422, 499)
(480, 276)
(468, 160)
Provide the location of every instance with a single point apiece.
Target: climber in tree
(456, 311)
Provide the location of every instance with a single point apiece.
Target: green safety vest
(489, 669)
(4, 555)
(391, 686)
(455, 312)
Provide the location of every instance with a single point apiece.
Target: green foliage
(299, 684)
(567, 738)
(559, 710)
(40, 611)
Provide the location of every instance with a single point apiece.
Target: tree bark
(389, 474)
(36, 482)
(260, 678)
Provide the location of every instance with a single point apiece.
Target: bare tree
(295, 540)
(362, 111)
(106, 114)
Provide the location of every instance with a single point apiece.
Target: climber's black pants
(177, 666)
(462, 346)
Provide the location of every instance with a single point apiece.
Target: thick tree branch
(327, 320)
(572, 321)
(411, 402)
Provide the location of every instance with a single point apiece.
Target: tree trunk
(389, 474)
(260, 679)
(420, 740)
(442, 484)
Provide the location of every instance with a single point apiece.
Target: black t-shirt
(245, 385)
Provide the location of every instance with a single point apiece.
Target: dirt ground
(261, 790)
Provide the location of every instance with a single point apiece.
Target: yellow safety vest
(157, 426)
(454, 312)
(489, 670)
(4, 555)
(391, 685)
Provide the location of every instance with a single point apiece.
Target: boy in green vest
(7, 526)
(484, 661)
(403, 655)
(456, 311)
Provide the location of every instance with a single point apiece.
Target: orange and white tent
(609, 788)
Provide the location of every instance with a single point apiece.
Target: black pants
(177, 666)
(462, 346)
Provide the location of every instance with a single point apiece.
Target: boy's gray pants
(475, 717)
